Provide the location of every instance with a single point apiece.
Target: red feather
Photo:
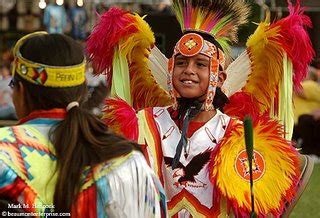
(122, 118)
(242, 104)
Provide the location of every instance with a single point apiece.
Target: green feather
(286, 115)
(248, 135)
(120, 79)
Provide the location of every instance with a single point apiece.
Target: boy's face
(191, 75)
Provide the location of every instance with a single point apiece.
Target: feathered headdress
(209, 27)
(219, 18)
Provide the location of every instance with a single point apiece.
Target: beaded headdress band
(45, 75)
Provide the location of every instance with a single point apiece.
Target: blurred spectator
(308, 98)
(307, 114)
(7, 111)
(55, 18)
(6, 58)
(79, 18)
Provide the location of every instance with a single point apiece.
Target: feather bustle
(271, 194)
(131, 35)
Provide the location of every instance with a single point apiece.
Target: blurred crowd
(69, 17)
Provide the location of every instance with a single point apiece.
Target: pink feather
(187, 16)
(296, 41)
(112, 26)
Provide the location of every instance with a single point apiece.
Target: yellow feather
(199, 19)
(145, 91)
(266, 57)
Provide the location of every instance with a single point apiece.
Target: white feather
(237, 74)
(158, 64)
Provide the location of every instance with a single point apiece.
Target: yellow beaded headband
(45, 75)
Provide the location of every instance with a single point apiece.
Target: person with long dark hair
(60, 158)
